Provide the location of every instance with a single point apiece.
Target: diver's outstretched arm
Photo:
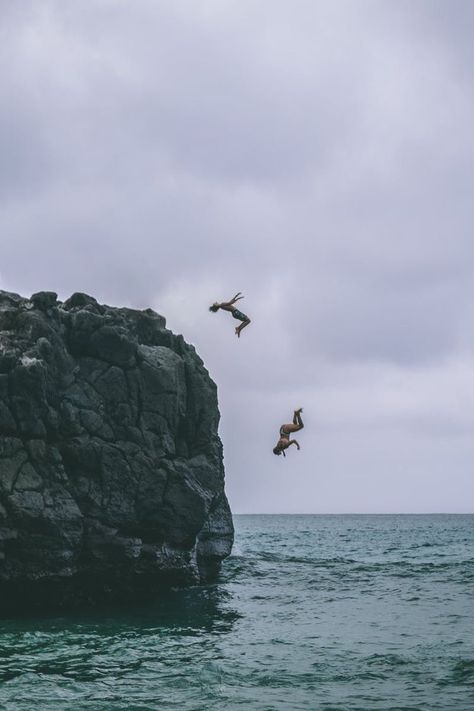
(293, 441)
(228, 305)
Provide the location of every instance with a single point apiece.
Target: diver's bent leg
(297, 419)
(242, 325)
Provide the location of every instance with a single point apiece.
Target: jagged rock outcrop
(111, 472)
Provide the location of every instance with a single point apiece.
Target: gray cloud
(316, 156)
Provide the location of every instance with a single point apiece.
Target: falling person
(229, 306)
(286, 430)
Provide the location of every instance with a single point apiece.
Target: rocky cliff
(111, 472)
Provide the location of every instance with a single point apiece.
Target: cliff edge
(111, 471)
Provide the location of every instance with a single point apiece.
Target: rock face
(111, 472)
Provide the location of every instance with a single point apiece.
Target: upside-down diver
(285, 430)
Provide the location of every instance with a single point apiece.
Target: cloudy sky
(317, 156)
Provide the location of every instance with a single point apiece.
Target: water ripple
(331, 613)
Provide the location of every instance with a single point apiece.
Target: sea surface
(310, 612)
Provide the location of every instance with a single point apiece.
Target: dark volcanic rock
(111, 473)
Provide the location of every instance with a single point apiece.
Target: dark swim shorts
(239, 315)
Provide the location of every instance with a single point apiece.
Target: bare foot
(237, 332)
(297, 412)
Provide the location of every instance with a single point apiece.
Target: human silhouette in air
(229, 306)
(285, 431)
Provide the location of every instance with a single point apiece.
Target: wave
(462, 673)
(249, 563)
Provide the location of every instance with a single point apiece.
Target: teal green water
(311, 612)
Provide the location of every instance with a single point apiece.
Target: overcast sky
(318, 157)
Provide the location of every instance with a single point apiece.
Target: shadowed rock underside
(111, 471)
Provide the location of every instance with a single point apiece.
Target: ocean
(332, 613)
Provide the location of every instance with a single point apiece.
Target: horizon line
(354, 513)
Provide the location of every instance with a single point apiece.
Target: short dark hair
(276, 450)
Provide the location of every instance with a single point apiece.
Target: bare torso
(283, 443)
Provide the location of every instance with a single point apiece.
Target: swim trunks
(238, 315)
